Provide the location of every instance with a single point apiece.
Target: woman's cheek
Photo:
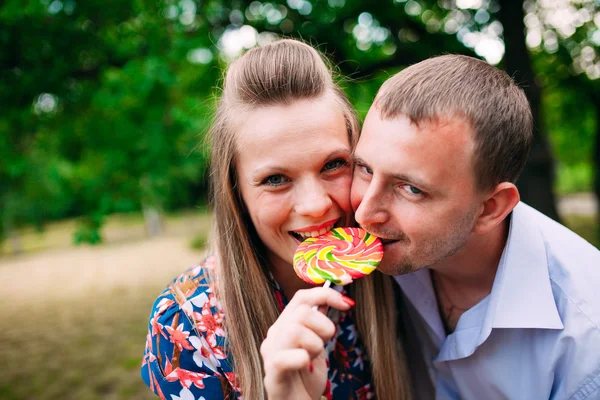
(268, 209)
(341, 192)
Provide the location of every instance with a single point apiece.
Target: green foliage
(88, 231)
(199, 241)
(574, 178)
(100, 112)
(105, 103)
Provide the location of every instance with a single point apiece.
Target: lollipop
(338, 256)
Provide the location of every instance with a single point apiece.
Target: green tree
(102, 105)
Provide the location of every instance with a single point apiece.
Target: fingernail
(310, 367)
(348, 300)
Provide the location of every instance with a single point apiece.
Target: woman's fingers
(295, 336)
(286, 361)
(321, 296)
(291, 374)
(290, 323)
(315, 321)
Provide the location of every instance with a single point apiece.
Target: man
(503, 300)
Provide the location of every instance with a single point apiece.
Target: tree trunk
(151, 207)
(536, 181)
(153, 221)
(12, 234)
(16, 244)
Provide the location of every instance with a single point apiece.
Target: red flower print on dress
(210, 323)
(328, 389)
(156, 327)
(163, 305)
(187, 378)
(179, 337)
(148, 358)
(188, 316)
(234, 381)
(341, 356)
(365, 393)
(279, 301)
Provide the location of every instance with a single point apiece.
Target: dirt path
(75, 272)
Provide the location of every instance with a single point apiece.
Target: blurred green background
(103, 108)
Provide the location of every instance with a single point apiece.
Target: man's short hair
(453, 86)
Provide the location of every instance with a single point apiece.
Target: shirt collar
(522, 292)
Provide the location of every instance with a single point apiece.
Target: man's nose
(371, 205)
(313, 200)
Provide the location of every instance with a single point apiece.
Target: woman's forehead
(271, 125)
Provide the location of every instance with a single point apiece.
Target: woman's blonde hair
(279, 74)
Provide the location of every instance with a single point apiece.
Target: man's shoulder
(563, 246)
(573, 270)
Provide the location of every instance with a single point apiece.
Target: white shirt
(535, 336)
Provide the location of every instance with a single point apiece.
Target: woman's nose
(313, 200)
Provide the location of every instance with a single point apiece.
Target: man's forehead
(443, 128)
(434, 149)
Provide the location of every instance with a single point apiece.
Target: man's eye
(335, 164)
(366, 169)
(413, 190)
(275, 180)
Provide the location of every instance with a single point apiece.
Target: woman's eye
(335, 164)
(275, 180)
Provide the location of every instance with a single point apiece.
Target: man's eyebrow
(399, 177)
(357, 160)
(410, 179)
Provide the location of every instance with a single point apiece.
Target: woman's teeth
(305, 235)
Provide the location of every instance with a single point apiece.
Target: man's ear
(498, 203)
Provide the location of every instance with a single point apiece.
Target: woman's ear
(499, 202)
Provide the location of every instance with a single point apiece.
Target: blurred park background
(104, 105)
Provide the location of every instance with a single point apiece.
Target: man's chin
(389, 266)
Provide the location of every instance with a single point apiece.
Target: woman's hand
(294, 350)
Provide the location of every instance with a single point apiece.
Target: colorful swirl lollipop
(338, 256)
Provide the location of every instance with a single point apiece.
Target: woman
(280, 172)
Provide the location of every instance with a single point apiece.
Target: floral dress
(186, 357)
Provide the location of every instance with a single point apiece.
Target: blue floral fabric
(186, 357)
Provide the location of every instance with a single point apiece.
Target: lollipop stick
(325, 285)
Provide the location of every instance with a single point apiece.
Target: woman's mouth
(313, 231)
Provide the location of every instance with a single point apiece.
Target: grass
(83, 349)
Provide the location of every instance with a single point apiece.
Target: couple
(478, 295)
